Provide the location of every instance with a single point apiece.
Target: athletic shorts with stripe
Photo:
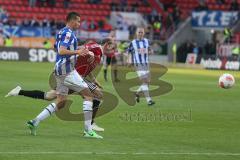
(72, 81)
(92, 86)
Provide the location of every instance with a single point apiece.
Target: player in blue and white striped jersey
(139, 50)
(67, 77)
(65, 63)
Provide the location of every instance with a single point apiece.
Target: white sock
(87, 110)
(48, 111)
(146, 92)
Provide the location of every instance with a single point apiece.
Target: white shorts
(71, 81)
(143, 71)
(143, 74)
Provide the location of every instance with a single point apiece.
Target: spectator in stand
(148, 31)
(3, 15)
(236, 53)
(120, 21)
(26, 23)
(94, 1)
(66, 3)
(158, 1)
(169, 20)
(145, 2)
(135, 6)
(8, 42)
(207, 48)
(92, 25)
(114, 5)
(42, 3)
(45, 22)
(201, 7)
(189, 47)
(52, 3)
(154, 12)
(157, 28)
(123, 4)
(32, 3)
(183, 50)
(132, 29)
(53, 24)
(234, 6)
(152, 16)
(47, 44)
(176, 15)
(220, 2)
(11, 22)
(101, 24)
(168, 4)
(34, 22)
(2, 12)
(84, 25)
(195, 48)
(227, 35)
(60, 24)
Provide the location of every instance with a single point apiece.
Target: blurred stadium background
(205, 32)
(197, 40)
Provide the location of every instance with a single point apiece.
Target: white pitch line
(126, 153)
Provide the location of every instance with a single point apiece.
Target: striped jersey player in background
(139, 50)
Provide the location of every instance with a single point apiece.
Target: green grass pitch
(209, 128)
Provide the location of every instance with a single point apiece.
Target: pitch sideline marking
(125, 153)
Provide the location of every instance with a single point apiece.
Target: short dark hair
(72, 16)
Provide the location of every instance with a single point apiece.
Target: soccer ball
(226, 81)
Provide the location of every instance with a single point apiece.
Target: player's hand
(150, 51)
(91, 58)
(82, 51)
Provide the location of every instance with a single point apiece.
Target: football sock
(105, 74)
(139, 89)
(48, 111)
(145, 90)
(96, 104)
(32, 94)
(87, 110)
(115, 74)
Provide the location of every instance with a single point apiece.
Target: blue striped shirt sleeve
(66, 39)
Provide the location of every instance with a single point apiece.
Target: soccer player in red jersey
(110, 57)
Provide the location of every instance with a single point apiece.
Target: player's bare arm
(64, 51)
(150, 51)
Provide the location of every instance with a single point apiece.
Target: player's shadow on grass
(109, 103)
